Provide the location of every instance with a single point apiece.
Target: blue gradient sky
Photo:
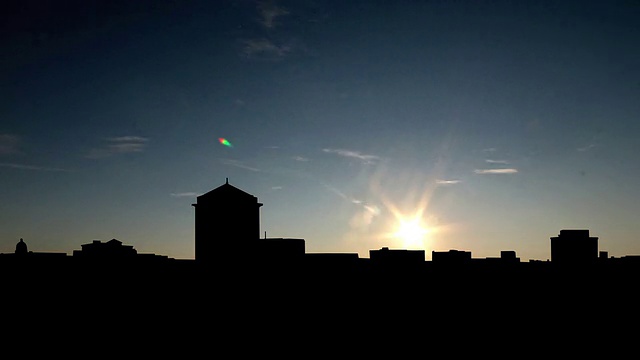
(499, 122)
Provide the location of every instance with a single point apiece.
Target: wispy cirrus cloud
(370, 208)
(495, 171)
(30, 167)
(119, 145)
(264, 49)
(269, 13)
(366, 158)
(491, 161)
(238, 164)
(586, 148)
(9, 144)
(448, 182)
(300, 158)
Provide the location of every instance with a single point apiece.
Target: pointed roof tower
(225, 190)
(227, 223)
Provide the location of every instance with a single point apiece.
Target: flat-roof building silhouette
(397, 256)
(574, 246)
(450, 257)
(276, 250)
(110, 249)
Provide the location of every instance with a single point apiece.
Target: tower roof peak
(226, 191)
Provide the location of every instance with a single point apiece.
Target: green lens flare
(225, 142)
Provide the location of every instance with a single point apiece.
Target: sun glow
(407, 219)
(412, 232)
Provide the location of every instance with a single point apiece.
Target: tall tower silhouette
(227, 225)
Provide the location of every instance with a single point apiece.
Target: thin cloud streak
(491, 161)
(184, 194)
(31, 167)
(370, 208)
(586, 148)
(128, 139)
(119, 145)
(448, 182)
(368, 159)
(495, 171)
(238, 164)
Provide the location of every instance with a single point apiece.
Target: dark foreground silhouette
(243, 291)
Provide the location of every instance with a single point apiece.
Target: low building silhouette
(573, 247)
(396, 257)
(453, 256)
(110, 249)
(506, 257)
(280, 249)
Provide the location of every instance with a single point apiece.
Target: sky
(491, 125)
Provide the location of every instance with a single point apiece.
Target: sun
(412, 232)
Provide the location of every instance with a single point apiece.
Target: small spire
(227, 182)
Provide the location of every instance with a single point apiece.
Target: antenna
(265, 234)
(227, 181)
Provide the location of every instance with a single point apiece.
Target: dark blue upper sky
(494, 123)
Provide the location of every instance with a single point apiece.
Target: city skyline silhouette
(227, 204)
(240, 279)
(227, 222)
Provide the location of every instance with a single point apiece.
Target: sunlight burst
(412, 232)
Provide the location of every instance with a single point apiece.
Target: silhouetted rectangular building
(574, 247)
(281, 248)
(396, 256)
(451, 257)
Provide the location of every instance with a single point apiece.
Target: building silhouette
(21, 248)
(227, 240)
(572, 247)
(110, 249)
(227, 225)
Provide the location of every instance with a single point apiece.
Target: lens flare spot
(225, 142)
